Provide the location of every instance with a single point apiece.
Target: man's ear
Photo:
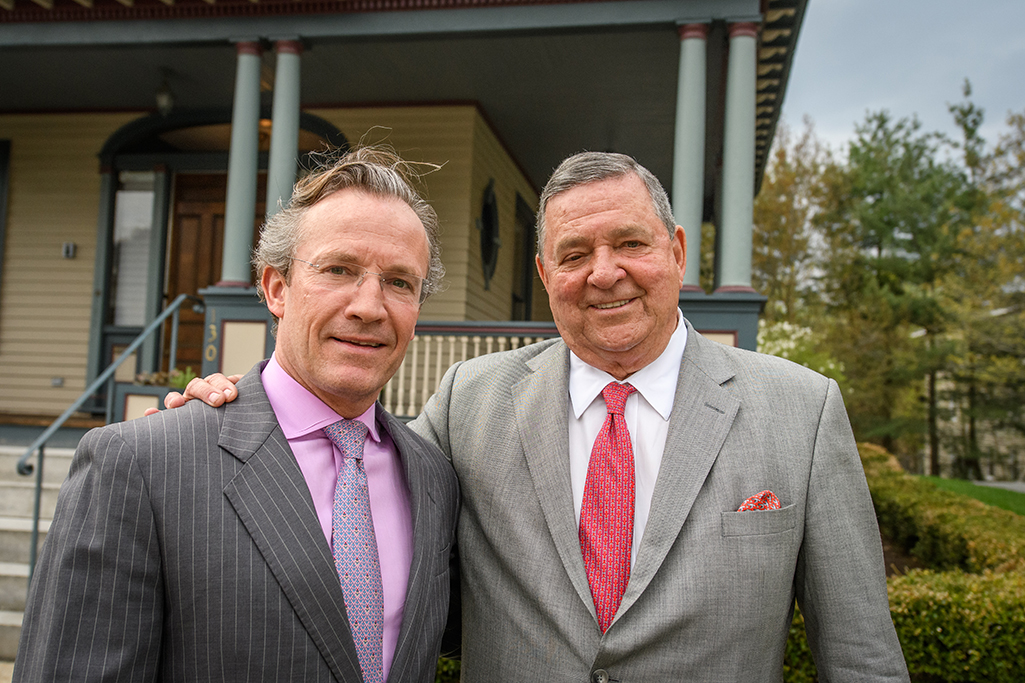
(541, 271)
(680, 250)
(274, 288)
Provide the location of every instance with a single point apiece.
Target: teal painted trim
(689, 151)
(284, 140)
(734, 258)
(532, 17)
(101, 269)
(242, 171)
(5, 184)
(149, 355)
(136, 133)
(735, 312)
(234, 304)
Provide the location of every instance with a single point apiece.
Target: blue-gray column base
(725, 313)
(230, 304)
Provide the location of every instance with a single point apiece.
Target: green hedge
(943, 529)
(955, 626)
(962, 625)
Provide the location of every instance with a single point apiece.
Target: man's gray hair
(591, 167)
(373, 169)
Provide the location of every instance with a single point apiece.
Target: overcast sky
(908, 57)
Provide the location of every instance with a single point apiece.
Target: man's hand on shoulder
(214, 390)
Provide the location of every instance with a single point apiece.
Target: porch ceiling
(551, 84)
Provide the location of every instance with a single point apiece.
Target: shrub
(955, 626)
(943, 529)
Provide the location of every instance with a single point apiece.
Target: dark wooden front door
(195, 246)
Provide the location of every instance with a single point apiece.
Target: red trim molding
(111, 10)
(293, 47)
(247, 47)
(693, 31)
(735, 289)
(744, 28)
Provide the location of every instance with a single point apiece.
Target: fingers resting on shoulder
(214, 390)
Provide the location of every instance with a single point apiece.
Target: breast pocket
(759, 522)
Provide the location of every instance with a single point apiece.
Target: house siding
(490, 160)
(440, 135)
(45, 299)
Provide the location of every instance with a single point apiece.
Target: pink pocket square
(766, 500)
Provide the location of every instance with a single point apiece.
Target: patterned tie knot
(615, 395)
(349, 436)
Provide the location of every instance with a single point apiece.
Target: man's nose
(605, 270)
(366, 301)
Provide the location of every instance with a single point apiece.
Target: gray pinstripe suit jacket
(185, 547)
(712, 590)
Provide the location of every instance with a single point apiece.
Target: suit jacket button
(599, 676)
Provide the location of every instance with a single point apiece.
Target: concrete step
(10, 631)
(13, 586)
(17, 499)
(56, 463)
(16, 538)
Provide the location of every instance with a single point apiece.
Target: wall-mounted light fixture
(164, 95)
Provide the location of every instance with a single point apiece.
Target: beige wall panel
(437, 135)
(491, 160)
(54, 198)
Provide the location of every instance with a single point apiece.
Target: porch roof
(553, 78)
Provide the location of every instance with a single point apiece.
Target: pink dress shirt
(302, 417)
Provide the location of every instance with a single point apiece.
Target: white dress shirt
(647, 417)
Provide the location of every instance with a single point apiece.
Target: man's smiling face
(343, 346)
(613, 273)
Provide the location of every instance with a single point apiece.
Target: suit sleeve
(433, 422)
(841, 582)
(95, 607)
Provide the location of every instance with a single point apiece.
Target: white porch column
(243, 168)
(284, 139)
(689, 147)
(735, 241)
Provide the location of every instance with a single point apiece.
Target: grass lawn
(991, 495)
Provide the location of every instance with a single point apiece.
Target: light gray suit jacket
(185, 547)
(711, 594)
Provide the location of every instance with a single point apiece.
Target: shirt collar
(656, 382)
(299, 411)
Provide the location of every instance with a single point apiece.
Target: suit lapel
(425, 541)
(542, 419)
(272, 500)
(703, 413)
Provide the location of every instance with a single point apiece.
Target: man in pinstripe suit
(198, 544)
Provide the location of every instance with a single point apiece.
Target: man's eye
(399, 283)
(339, 270)
(631, 244)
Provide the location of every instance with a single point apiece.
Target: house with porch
(143, 142)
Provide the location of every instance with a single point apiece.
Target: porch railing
(438, 346)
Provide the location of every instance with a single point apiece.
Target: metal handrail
(25, 468)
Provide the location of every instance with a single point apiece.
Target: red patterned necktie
(355, 548)
(607, 513)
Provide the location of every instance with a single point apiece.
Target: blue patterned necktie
(355, 548)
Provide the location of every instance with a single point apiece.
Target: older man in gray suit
(640, 503)
(298, 534)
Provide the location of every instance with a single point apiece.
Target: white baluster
(426, 388)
